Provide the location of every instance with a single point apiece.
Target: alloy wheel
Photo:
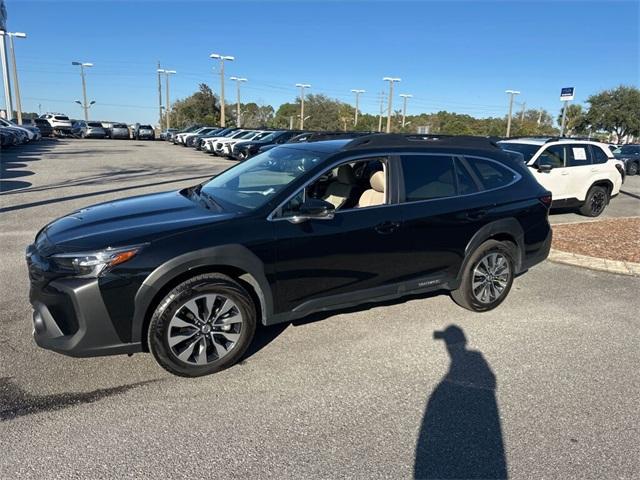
(598, 202)
(204, 329)
(490, 277)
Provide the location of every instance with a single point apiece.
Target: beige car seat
(341, 190)
(376, 194)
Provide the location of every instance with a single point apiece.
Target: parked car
(199, 142)
(192, 139)
(107, 126)
(188, 274)
(244, 150)
(40, 123)
(311, 136)
(165, 134)
(144, 132)
(209, 142)
(222, 146)
(120, 130)
(189, 129)
(9, 138)
(181, 137)
(579, 173)
(59, 122)
(84, 129)
(31, 133)
(629, 155)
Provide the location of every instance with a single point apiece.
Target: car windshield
(627, 150)
(267, 136)
(119, 125)
(251, 184)
(527, 150)
(145, 127)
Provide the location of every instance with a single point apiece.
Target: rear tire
(192, 343)
(596, 201)
(487, 277)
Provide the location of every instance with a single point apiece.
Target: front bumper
(69, 317)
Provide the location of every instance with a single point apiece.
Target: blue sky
(456, 56)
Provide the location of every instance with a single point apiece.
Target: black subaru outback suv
(189, 274)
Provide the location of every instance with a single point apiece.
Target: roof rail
(414, 139)
(320, 136)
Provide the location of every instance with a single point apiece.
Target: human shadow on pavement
(461, 435)
(15, 402)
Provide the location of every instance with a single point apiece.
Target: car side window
(428, 176)
(491, 174)
(553, 156)
(350, 185)
(466, 183)
(577, 155)
(598, 155)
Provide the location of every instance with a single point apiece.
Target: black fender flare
(505, 226)
(233, 255)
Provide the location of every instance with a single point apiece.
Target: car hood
(129, 221)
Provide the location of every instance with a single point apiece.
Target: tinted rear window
(491, 174)
(95, 124)
(145, 127)
(527, 151)
(428, 176)
(119, 125)
(61, 117)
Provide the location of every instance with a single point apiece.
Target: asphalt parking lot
(547, 387)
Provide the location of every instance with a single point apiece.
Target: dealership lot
(353, 394)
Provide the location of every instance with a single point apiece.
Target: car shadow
(461, 434)
(14, 167)
(15, 402)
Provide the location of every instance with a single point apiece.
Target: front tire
(202, 326)
(596, 201)
(633, 169)
(487, 277)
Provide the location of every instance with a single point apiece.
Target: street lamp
(85, 106)
(167, 109)
(511, 94)
(11, 36)
(357, 92)
(222, 58)
(302, 86)
(391, 81)
(404, 96)
(238, 81)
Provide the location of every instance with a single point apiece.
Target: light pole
(391, 81)
(222, 58)
(85, 106)
(302, 86)
(238, 81)
(167, 108)
(511, 93)
(5, 75)
(404, 106)
(159, 96)
(16, 85)
(357, 92)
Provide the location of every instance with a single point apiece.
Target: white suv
(578, 173)
(58, 121)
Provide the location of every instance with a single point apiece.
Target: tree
(201, 107)
(616, 111)
(575, 121)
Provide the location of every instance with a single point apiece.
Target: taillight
(546, 200)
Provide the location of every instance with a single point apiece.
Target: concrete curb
(595, 263)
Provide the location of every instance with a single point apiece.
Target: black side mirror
(545, 168)
(313, 208)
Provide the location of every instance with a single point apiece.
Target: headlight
(92, 264)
